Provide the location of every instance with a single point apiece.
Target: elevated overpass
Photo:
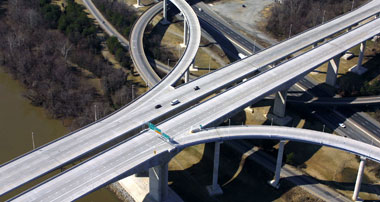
(147, 150)
(279, 51)
(69, 148)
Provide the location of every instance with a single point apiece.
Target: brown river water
(18, 119)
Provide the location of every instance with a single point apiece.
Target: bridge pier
(215, 189)
(358, 68)
(359, 178)
(185, 33)
(361, 54)
(332, 70)
(158, 182)
(138, 4)
(280, 103)
(165, 13)
(275, 182)
(278, 115)
(187, 74)
(315, 44)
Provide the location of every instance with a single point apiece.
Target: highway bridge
(114, 124)
(142, 156)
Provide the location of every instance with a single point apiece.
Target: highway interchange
(113, 124)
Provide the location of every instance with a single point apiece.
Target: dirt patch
(247, 19)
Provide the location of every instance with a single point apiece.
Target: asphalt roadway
(146, 150)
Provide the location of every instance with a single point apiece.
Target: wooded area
(48, 48)
(294, 16)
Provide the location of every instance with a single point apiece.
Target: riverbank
(19, 118)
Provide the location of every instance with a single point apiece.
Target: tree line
(294, 16)
(123, 18)
(47, 48)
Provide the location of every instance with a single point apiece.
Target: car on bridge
(174, 102)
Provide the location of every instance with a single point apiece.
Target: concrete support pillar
(276, 179)
(185, 33)
(165, 12)
(158, 182)
(215, 189)
(187, 75)
(359, 178)
(280, 103)
(332, 70)
(138, 4)
(361, 54)
(315, 44)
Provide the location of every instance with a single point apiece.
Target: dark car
(158, 106)
(196, 88)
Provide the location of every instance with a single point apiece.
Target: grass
(191, 169)
(320, 73)
(171, 41)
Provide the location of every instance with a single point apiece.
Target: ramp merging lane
(138, 153)
(70, 147)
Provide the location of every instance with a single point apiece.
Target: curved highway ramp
(68, 148)
(147, 150)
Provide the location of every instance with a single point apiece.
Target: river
(19, 119)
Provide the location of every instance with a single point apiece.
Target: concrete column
(187, 75)
(158, 182)
(215, 189)
(361, 54)
(185, 33)
(359, 179)
(276, 180)
(315, 44)
(138, 4)
(332, 70)
(280, 103)
(165, 12)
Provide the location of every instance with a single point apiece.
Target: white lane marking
(358, 126)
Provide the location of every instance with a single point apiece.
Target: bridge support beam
(187, 75)
(280, 103)
(185, 33)
(187, 72)
(158, 182)
(315, 44)
(278, 114)
(361, 54)
(215, 189)
(359, 178)
(165, 21)
(275, 182)
(138, 4)
(332, 70)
